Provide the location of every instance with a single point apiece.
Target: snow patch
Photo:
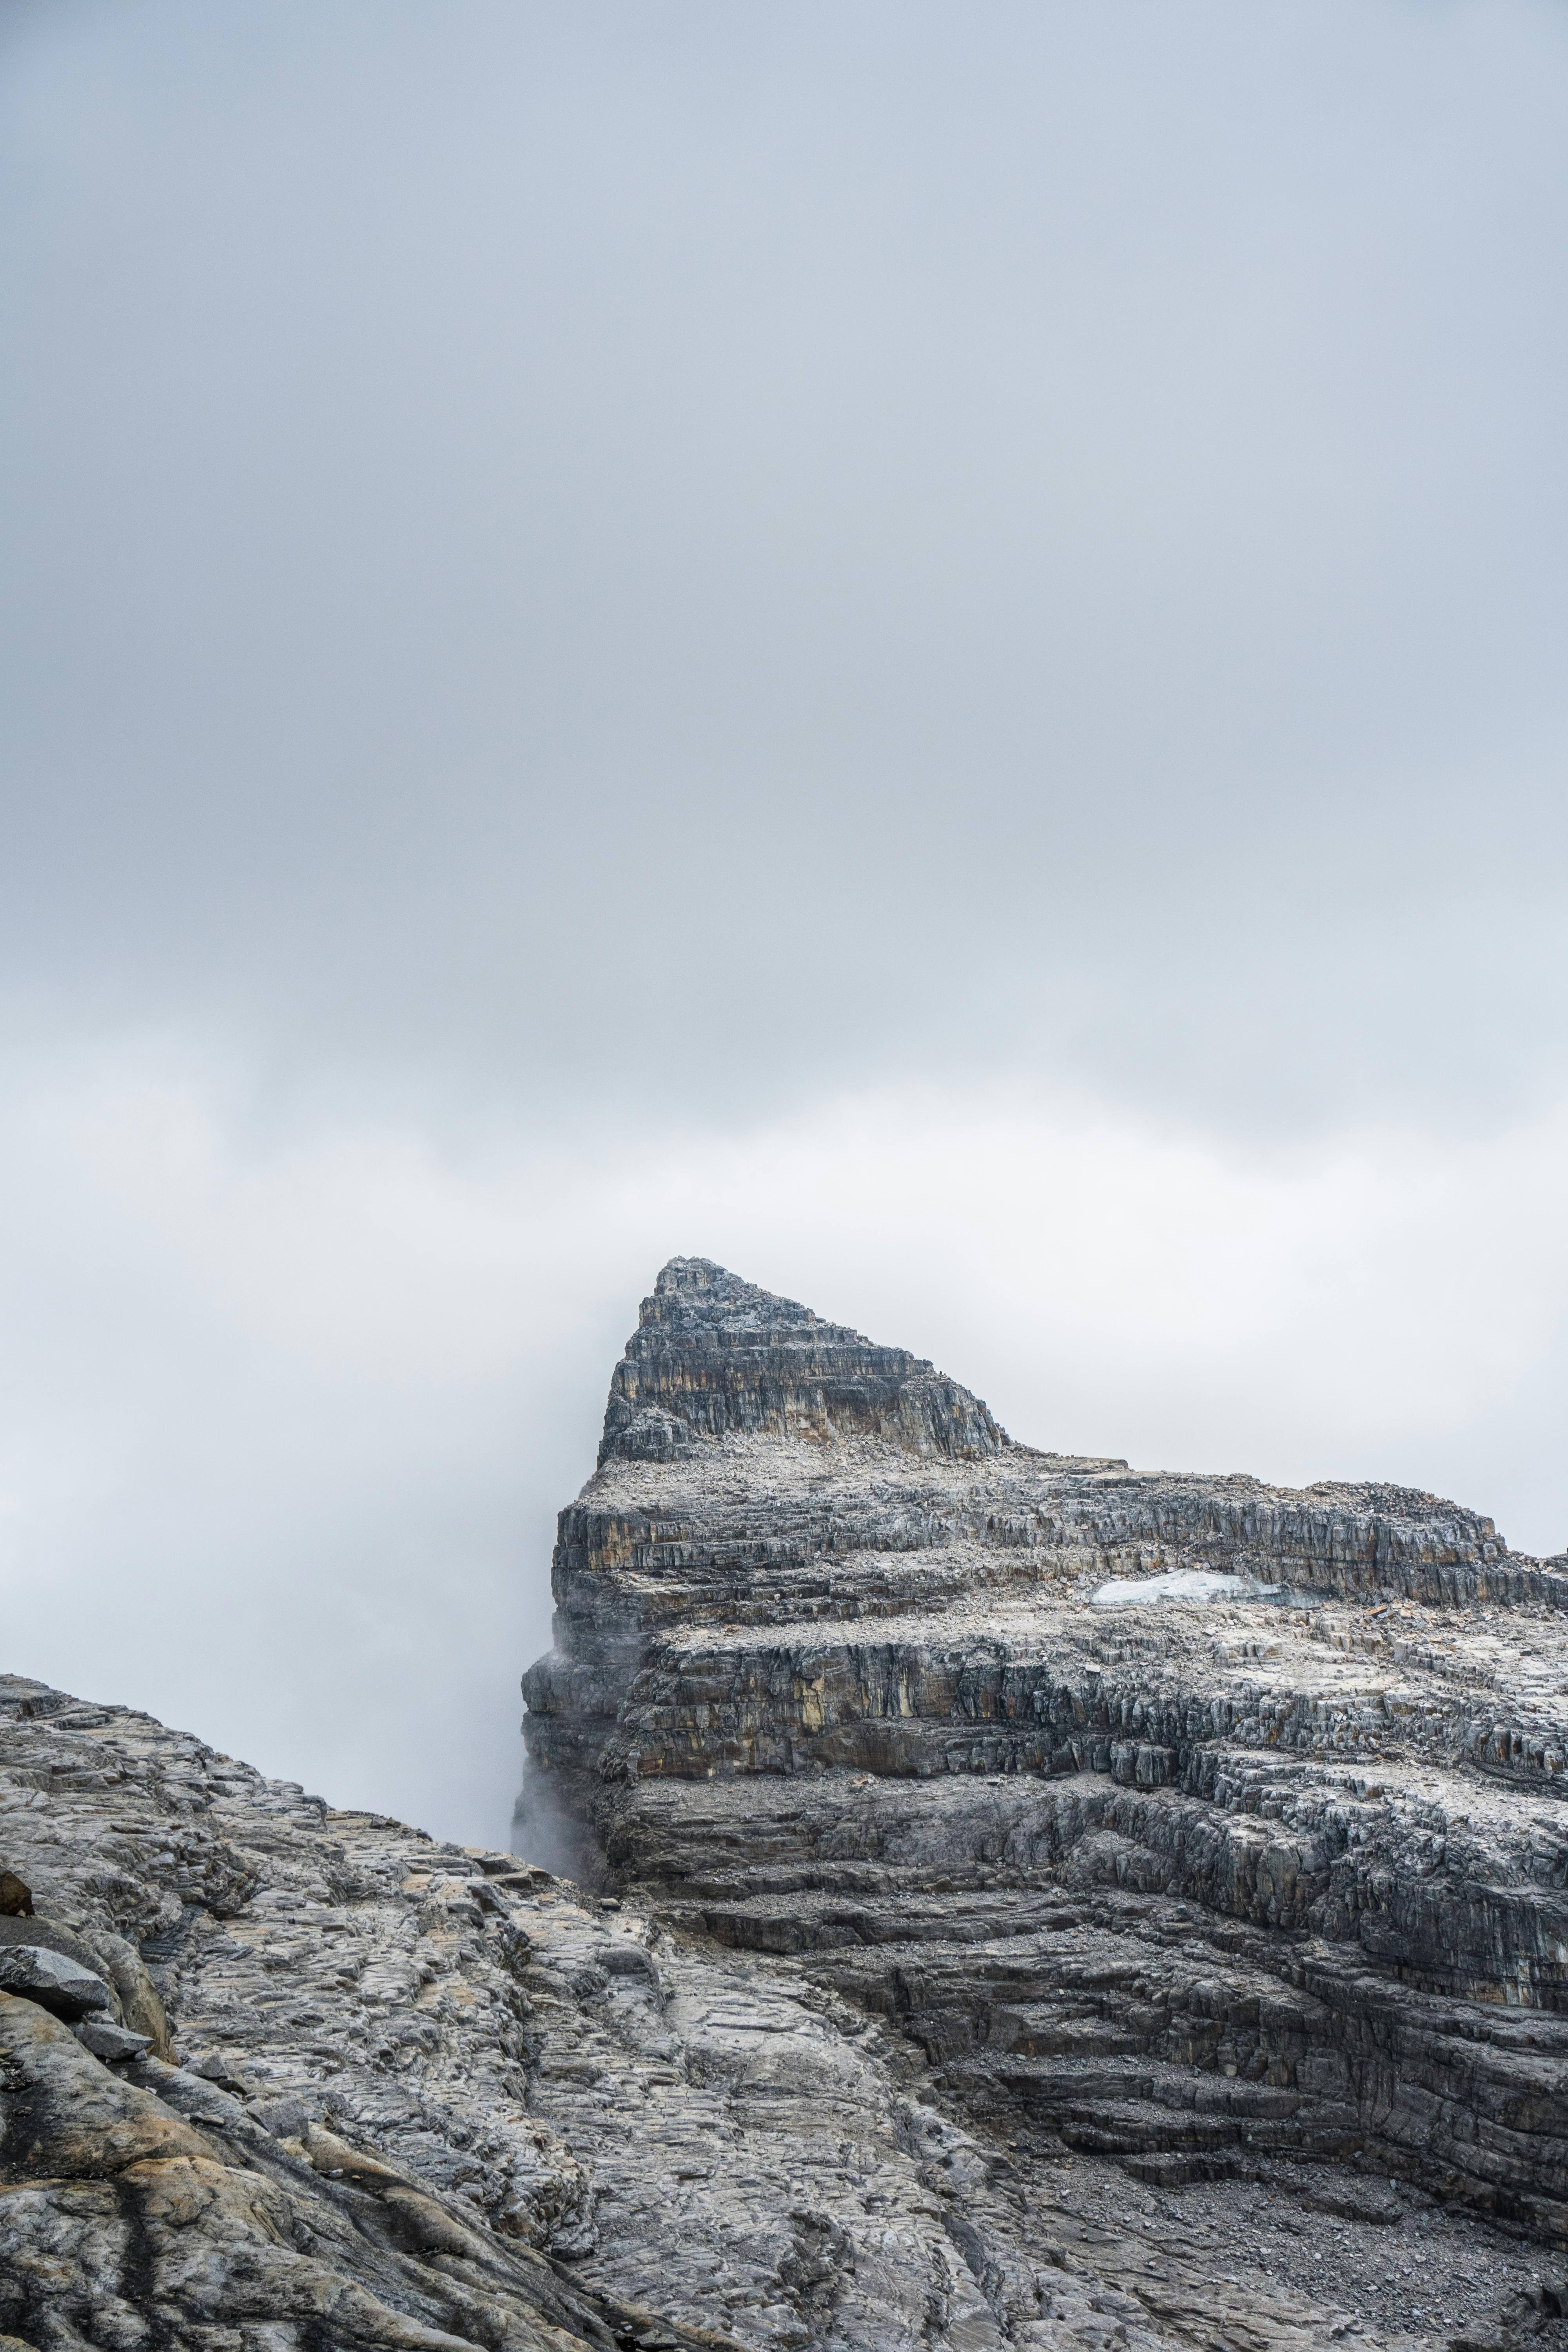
(1190, 1584)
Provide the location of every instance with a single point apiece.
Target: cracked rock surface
(953, 1961)
(1195, 1847)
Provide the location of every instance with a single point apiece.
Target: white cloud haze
(919, 649)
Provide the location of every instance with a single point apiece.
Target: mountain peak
(714, 1355)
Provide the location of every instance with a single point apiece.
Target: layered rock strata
(989, 1968)
(1197, 1887)
(375, 2091)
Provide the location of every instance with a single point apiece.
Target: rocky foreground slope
(954, 1961)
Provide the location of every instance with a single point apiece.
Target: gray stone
(113, 2043)
(285, 2118)
(990, 1969)
(35, 1973)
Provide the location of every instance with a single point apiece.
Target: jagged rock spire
(713, 1354)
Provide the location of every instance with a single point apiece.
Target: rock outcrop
(957, 1961)
(1184, 1826)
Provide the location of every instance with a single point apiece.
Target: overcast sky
(918, 648)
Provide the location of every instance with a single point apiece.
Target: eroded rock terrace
(1216, 1892)
(954, 1960)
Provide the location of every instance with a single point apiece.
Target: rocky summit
(1005, 1900)
(1193, 1849)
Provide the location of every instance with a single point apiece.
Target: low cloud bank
(287, 1418)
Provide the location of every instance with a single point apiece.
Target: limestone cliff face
(1198, 1888)
(988, 1969)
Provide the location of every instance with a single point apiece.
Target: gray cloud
(672, 548)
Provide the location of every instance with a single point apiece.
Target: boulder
(62, 1985)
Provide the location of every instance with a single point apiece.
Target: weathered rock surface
(427, 2098)
(1206, 1896)
(987, 1967)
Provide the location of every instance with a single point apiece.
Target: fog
(919, 649)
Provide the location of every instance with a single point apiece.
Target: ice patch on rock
(1190, 1584)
